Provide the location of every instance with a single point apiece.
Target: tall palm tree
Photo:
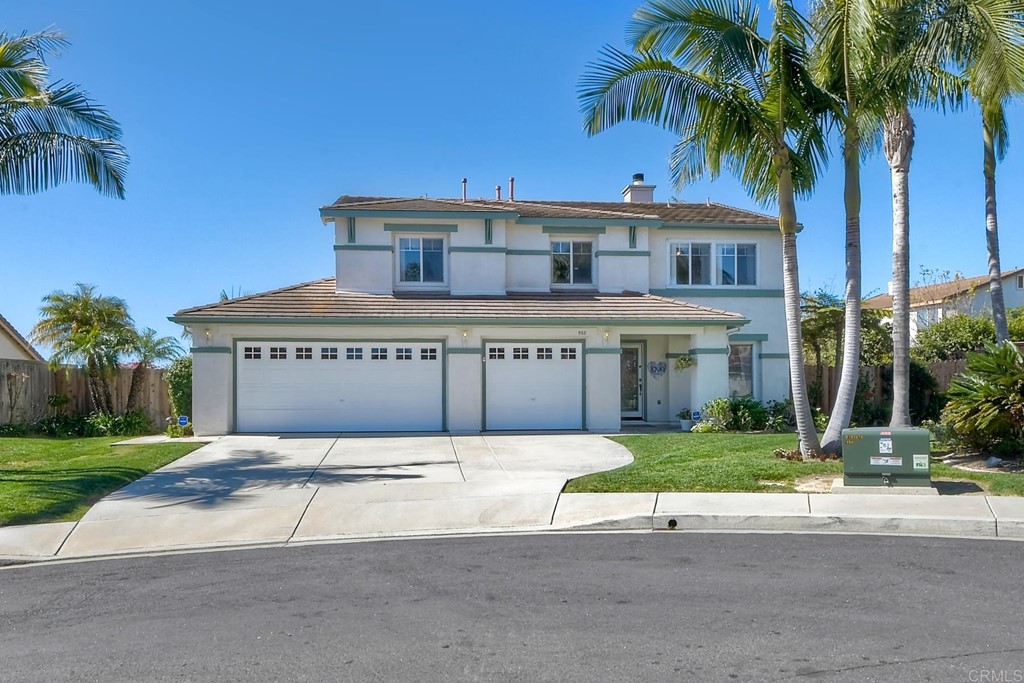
(736, 99)
(84, 328)
(150, 350)
(52, 133)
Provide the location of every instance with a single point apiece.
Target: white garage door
(338, 386)
(533, 386)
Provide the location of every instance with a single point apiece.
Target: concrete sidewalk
(294, 516)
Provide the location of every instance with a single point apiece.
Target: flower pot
(686, 425)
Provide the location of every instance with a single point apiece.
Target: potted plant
(684, 362)
(685, 419)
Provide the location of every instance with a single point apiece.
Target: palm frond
(34, 162)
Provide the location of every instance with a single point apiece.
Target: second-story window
(691, 263)
(421, 260)
(572, 263)
(737, 264)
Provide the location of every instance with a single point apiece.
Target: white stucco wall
(527, 272)
(10, 349)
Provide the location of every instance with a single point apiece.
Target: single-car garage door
(341, 386)
(533, 385)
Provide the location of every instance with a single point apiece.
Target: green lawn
(58, 480)
(736, 462)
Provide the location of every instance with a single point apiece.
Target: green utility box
(884, 456)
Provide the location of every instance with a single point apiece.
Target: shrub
(717, 411)
(179, 383)
(748, 415)
(780, 415)
(986, 403)
(61, 426)
(176, 431)
(14, 429)
(953, 338)
(703, 427)
(106, 424)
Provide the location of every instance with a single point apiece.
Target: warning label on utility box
(886, 461)
(920, 462)
(885, 445)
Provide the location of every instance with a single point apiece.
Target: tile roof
(702, 213)
(942, 291)
(318, 299)
(7, 327)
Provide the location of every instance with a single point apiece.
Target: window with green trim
(572, 263)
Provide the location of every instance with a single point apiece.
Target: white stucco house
(931, 303)
(13, 346)
(473, 315)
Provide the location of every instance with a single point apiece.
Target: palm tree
(735, 98)
(52, 133)
(84, 328)
(150, 350)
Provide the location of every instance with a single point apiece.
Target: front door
(632, 381)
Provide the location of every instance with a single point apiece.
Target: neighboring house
(471, 315)
(931, 303)
(13, 346)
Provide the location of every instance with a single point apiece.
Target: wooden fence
(877, 380)
(34, 383)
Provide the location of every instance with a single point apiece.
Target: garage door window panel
(304, 353)
(354, 353)
(278, 353)
(329, 353)
(428, 354)
(253, 352)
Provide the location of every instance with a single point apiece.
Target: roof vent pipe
(463, 189)
(511, 189)
(497, 192)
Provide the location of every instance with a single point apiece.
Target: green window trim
(709, 352)
(773, 355)
(615, 351)
(363, 247)
(477, 250)
(420, 227)
(725, 291)
(748, 337)
(528, 252)
(488, 231)
(211, 349)
(632, 238)
(612, 252)
(351, 230)
(458, 350)
(573, 230)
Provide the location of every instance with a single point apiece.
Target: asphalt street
(579, 607)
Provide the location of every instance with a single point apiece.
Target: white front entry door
(338, 386)
(535, 385)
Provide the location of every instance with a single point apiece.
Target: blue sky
(243, 118)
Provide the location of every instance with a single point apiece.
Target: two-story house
(466, 315)
(968, 295)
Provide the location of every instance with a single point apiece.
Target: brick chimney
(637, 191)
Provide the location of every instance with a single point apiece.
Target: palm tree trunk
(138, 375)
(108, 399)
(995, 277)
(899, 146)
(809, 444)
(94, 385)
(842, 409)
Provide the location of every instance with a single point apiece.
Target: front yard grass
(58, 480)
(737, 462)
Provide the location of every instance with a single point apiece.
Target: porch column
(710, 376)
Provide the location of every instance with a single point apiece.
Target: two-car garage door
(382, 386)
(312, 386)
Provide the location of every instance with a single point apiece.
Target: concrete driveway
(243, 489)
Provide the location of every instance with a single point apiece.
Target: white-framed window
(403, 354)
(253, 352)
(568, 353)
(328, 353)
(378, 353)
(304, 353)
(741, 369)
(1020, 282)
(572, 262)
(544, 353)
(713, 264)
(354, 353)
(496, 353)
(428, 354)
(278, 353)
(421, 261)
(520, 353)
(691, 263)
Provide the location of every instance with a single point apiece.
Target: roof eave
(192, 319)
(328, 212)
